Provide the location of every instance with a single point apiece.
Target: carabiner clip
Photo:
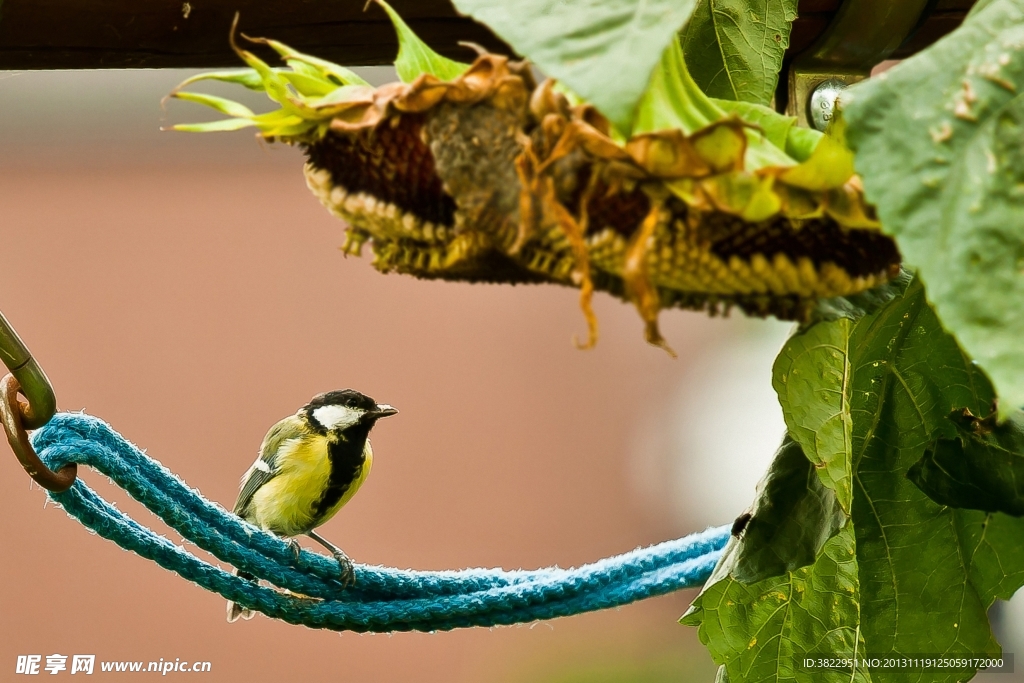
(18, 416)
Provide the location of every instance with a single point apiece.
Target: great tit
(310, 464)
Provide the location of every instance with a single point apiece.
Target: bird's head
(339, 410)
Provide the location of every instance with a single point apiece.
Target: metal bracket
(862, 34)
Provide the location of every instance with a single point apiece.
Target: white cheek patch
(337, 417)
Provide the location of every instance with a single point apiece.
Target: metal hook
(18, 416)
(11, 414)
(35, 386)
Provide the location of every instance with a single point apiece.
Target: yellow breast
(285, 505)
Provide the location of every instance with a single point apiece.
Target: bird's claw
(296, 548)
(346, 568)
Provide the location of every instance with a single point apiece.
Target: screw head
(822, 104)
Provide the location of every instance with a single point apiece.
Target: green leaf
(925, 584)
(214, 126)
(734, 48)
(309, 86)
(605, 50)
(340, 95)
(981, 468)
(867, 302)
(801, 142)
(792, 518)
(673, 100)
(991, 542)
(275, 123)
(283, 123)
(774, 126)
(829, 165)
(415, 57)
(939, 141)
(812, 376)
(760, 631)
(778, 129)
(924, 574)
(275, 85)
(313, 66)
(765, 603)
(249, 78)
(221, 104)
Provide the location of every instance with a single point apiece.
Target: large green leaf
(604, 50)
(812, 377)
(924, 574)
(939, 141)
(782, 587)
(980, 468)
(761, 631)
(924, 587)
(734, 48)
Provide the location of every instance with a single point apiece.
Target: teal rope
(382, 599)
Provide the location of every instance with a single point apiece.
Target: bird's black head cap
(350, 398)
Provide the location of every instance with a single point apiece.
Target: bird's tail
(236, 611)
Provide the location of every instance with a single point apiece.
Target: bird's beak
(383, 410)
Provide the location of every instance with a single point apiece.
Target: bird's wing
(265, 467)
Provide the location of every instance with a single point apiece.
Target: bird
(310, 464)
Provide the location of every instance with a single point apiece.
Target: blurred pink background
(190, 291)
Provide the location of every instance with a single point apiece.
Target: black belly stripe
(347, 461)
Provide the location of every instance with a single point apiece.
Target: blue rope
(382, 599)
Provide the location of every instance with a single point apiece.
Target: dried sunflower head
(477, 173)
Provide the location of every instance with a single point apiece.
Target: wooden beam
(121, 34)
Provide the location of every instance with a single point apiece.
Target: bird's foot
(296, 548)
(346, 569)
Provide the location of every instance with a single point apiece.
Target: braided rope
(383, 599)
